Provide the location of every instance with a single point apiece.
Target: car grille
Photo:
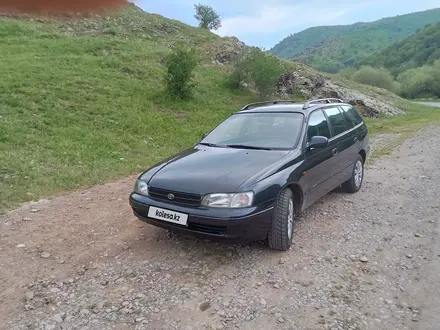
(216, 230)
(179, 197)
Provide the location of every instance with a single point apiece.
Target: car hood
(202, 170)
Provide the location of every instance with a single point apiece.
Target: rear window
(352, 115)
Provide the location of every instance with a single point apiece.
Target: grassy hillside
(82, 101)
(422, 48)
(331, 48)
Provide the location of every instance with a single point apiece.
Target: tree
(180, 71)
(208, 18)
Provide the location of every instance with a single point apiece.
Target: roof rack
(309, 103)
(257, 104)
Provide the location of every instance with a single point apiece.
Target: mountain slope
(330, 48)
(415, 51)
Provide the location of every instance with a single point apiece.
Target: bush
(180, 71)
(375, 77)
(208, 18)
(259, 69)
(421, 82)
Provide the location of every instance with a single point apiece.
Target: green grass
(81, 108)
(77, 111)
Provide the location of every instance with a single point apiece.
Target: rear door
(319, 160)
(344, 138)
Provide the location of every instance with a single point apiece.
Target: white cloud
(269, 19)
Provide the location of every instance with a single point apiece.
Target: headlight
(229, 200)
(141, 187)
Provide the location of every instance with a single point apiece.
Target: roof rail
(309, 103)
(257, 104)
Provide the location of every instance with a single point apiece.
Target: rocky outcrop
(320, 86)
(228, 49)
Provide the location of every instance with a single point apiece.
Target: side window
(337, 120)
(352, 115)
(318, 125)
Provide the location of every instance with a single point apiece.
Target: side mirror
(318, 142)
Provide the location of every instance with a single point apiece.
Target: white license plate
(167, 215)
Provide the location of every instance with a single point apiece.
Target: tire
(357, 176)
(281, 233)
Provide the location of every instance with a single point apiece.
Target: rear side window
(337, 120)
(352, 115)
(318, 125)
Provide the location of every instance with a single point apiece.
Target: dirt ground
(365, 261)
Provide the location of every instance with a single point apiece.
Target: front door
(319, 161)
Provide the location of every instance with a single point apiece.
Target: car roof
(290, 106)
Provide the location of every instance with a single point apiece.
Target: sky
(264, 23)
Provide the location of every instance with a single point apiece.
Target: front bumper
(249, 224)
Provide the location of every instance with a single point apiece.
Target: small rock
(271, 281)
(280, 320)
(417, 235)
(84, 312)
(45, 255)
(414, 317)
(35, 210)
(27, 219)
(29, 295)
(282, 261)
(58, 318)
(62, 261)
(409, 256)
(126, 246)
(259, 284)
(204, 306)
(363, 259)
(55, 290)
(276, 286)
(20, 246)
(352, 257)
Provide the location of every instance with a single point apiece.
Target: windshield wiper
(244, 146)
(212, 144)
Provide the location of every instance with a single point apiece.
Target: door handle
(356, 139)
(335, 151)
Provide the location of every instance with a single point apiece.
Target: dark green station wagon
(256, 171)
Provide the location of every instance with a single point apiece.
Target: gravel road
(364, 261)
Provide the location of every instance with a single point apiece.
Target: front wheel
(355, 183)
(281, 234)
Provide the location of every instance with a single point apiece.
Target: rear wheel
(355, 183)
(281, 234)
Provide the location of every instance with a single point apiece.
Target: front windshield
(264, 130)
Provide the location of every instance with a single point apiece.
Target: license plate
(167, 215)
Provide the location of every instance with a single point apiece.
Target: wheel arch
(298, 195)
(363, 153)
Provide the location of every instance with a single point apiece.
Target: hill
(331, 48)
(82, 100)
(422, 48)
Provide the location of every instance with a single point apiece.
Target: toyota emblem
(170, 197)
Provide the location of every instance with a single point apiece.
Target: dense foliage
(415, 51)
(421, 82)
(378, 77)
(258, 69)
(332, 48)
